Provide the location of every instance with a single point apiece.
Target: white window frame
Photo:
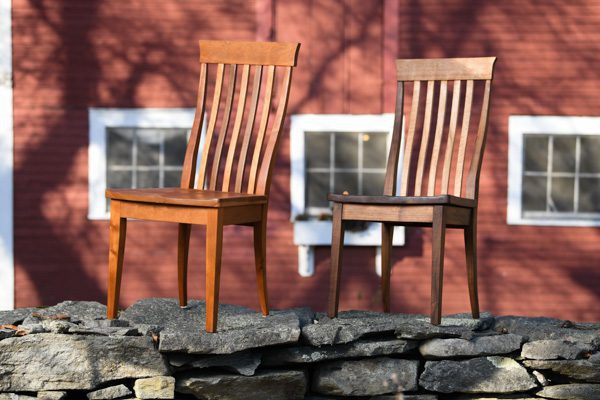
(100, 119)
(310, 233)
(518, 127)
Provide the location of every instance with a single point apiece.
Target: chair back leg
(337, 242)
(437, 267)
(260, 260)
(387, 237)
(471, 254)
(214, 246)
(183, 245)
(116, 252)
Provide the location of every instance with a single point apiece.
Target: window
(135, 148)
(554, 171)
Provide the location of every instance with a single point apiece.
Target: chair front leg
(337, 242)
(183, 245)
(214, 246)
(116, 251)
(387, 237)
(437, 270)
(471, 254)
(260, 260)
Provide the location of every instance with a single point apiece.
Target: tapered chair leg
(337, 242)
(183, 245)
(471, 253)
(116, 251)
(214, 246)
(437, 270)
(260, 261)
(387, 236)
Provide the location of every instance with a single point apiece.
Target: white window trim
(102, 118)
(310, 233)
(7, 261)
(518, 126)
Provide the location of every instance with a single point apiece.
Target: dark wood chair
(232, 184)
(430, 164)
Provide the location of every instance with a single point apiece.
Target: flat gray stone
(349, 326)
(361, 348)
(76, 310)
(112, 392)
(62, 362)
(476, 347)
(15, 396)
(7, 333)
(14, 317)
(238, 328)
(541, 328)
(272, 385)
(405, 397)
(478, 375)
(366, 377)
(595, 358)
(583, 370)
(52, 395)
(573, 391)
(244, 363)
(554, 349)
(156, 387)
(492, 397)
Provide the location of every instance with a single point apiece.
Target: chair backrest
(244, 115)
(446, 128)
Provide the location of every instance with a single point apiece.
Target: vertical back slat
(249, 126)
(460, 161)
(451, 135)
(264, 121)
(214, 113)
(409, 137)
(475, 168)
(389, 188)
(236, 128)
(224, 126)
(269, 159)
(424, 138)
(191, 152)
(439, 131)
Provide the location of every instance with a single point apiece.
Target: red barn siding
(69, 56)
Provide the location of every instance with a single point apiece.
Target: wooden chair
(237, 160)
(429, 164)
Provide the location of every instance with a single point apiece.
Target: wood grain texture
(444, 69)
(437, 263)
(408, 145)
(424, 138)
(253, 53)
(439, 131)
(183, 248)
(214, 248)
(387, 238)
(116, 252)
(337, 243)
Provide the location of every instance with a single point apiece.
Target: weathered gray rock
(273, 385)
(554, 349)
(112, 392)
(583, 370)
(549, 328)
(366, 377)
(238, 328)
(349, 326)
(61, 362)
(573, 391)
(478, 346)
(541, 378)
(15, 396)
(492, 397)
(478, 375)
(7, 333)
(405, 397)
(14, 317)
(76, 310)
(595, 358)
(157, 387)
(244, 363)
(52, 395)
(361, 348)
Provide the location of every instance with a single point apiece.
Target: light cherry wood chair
(234, 176)
(436, 188)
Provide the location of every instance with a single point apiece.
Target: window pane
(590, 154)
(534, 193)
(345, 182)
(374, 149)
(118, 179)
(147, 179)
(536, 153)
(172, 178)
(317, 184)
(589, 194)
(346, 150)
(120, 143)
(175, 144)
(563, 154)
(561, 198)
(317, 149)
(373, 184)
(148, 146)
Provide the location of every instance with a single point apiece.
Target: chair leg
(471, 253)
(116, 251)
(183, 245)
(214, 245)
(387, 236)
(260, 261)
(337, 242)
(437, 272)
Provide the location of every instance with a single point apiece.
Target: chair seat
(441, 200)
(186, 197)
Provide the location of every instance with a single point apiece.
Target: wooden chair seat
(186, 197)
(441, 200)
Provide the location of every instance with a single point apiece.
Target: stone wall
(157, 350)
